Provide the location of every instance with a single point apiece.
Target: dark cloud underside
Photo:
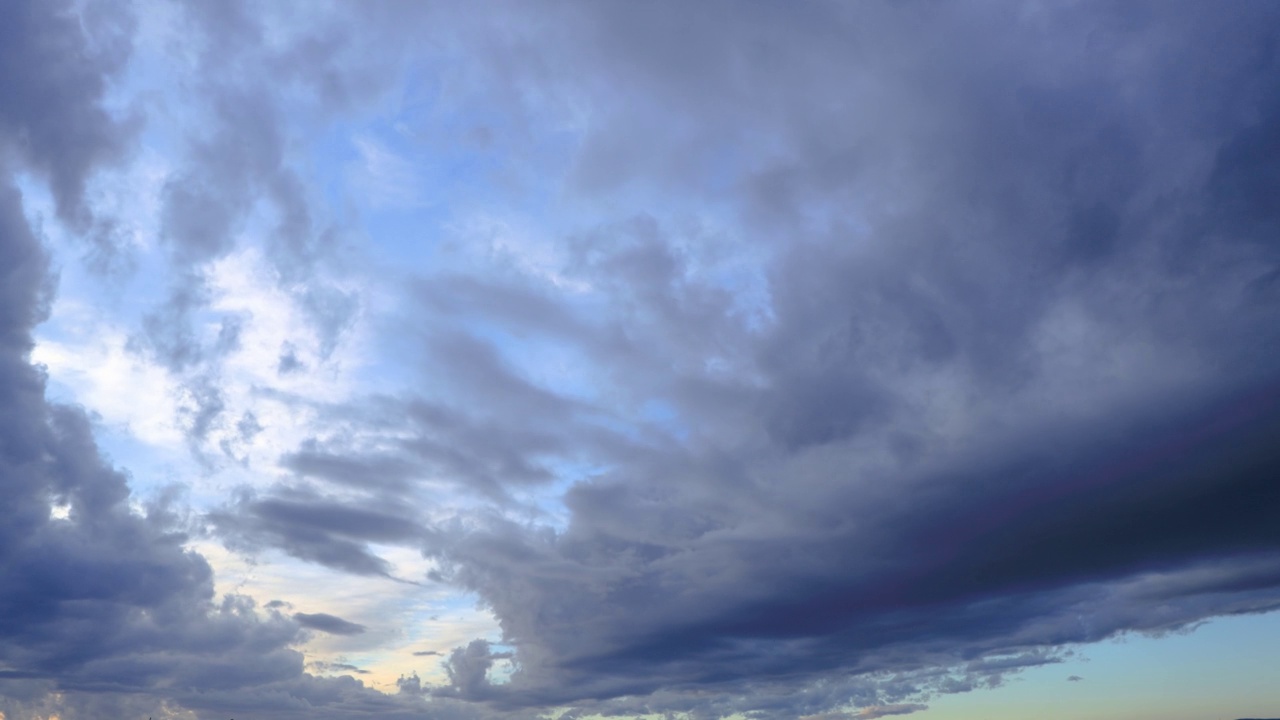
(1017, 381)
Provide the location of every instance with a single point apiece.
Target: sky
(685, 360)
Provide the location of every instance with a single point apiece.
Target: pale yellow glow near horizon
(1220, 671)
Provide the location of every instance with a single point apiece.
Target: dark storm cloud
(1014, 383)
(913, 463)
(1008, 383)
(331, 624)
(1016, 378)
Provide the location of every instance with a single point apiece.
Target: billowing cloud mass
(790, 359)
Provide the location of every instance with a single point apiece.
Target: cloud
(888, 710)
(343, 469)
(52, 109)
(986, 359)
(104, 596)
(863, 354)
(338, 667)
(233, 191)
(315, 528)
(328, 623)
(386, 179)
(105, 611)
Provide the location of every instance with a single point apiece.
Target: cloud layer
(807, 360)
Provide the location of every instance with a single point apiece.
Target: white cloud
(96, 368)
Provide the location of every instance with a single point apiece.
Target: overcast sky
(507, 360)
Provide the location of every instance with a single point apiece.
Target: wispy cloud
(385, 179)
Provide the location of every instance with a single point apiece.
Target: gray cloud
(329, 623)
(315, 528)
(468, 669)
(235, 162)
(103, 613)
(106, 599)
(51, 117)
(923, 470)
(338, 667)
(344, 469)
(1014, 355)
(921, 345)
(889, 710)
